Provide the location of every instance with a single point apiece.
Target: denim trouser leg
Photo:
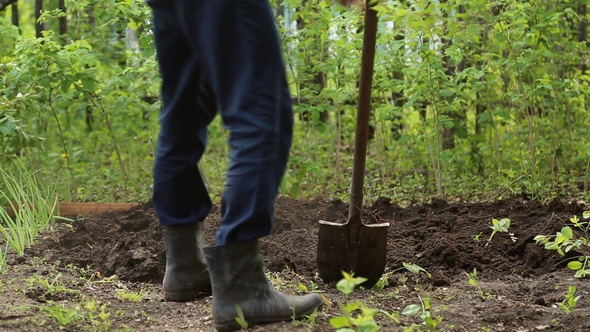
(180, 196)
(221, 54)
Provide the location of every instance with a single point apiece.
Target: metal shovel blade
(340, 250)
(353, 246)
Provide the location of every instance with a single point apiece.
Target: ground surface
(69, 272)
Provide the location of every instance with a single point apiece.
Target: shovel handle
(364, 110)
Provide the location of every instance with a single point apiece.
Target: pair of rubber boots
(233, 273)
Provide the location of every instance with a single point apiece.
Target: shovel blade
(365, 256)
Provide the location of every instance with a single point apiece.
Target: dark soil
(520, 282)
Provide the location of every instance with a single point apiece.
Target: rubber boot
(238, 279)
(186, 275)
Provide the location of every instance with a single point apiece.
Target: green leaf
(447, 93)
(411, 309)
(415, 269)
(345, 286)
(574, 265)
(88, 83)
(567, 232)
(240, 319)
(7, 126)
(350, 307)
(340, 322)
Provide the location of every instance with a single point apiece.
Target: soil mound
(444, 238)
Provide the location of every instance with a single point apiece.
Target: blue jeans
(221, 56)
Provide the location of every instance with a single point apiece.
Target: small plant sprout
(62, 315)
(565, 240)
(347, 322)
(472, 277)
(499, 226)
(382, 282)
(415, 269)
(98, 315)
(129, 296)
(240, 318)
(425, 312)
(307, 320)
(571, 300)
(477, 237)
(349, 283)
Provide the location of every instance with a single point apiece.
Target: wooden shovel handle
(364, 110)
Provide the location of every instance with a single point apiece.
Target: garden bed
(517, 287)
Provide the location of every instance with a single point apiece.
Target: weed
(129, 296)
(477, 237)
(98, 315)
(571, 300)
(382, 282)
(363, 321)
(498, 226)
(240, 319)
(62, 315)
(50, 287)
(307, 320)
(84, 273)
(474, 282)
(425, 312)
(565, 240)
(33, 206)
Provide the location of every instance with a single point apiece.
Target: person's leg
(238, 44)
(180, 196)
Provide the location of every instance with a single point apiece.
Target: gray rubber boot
(238, 279)
(186, 275)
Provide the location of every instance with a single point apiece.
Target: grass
(32, 207)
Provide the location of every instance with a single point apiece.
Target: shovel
(353, 246)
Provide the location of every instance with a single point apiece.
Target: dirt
(95, 259)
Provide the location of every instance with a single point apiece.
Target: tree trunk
(63, 21)
(459, 117)
(6, 3)
(317, 82)
(15, 14)
(38, 25)
(91, 19)
(583, 32)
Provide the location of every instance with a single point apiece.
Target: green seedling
(241, 319)
(565, 240)
(62, 315)
(382, 282)
(472, 277)
(98, 315)
(364, 320)
(415, 269)
(129, 296)
(498, 226)
(49, 287)
(349, 283)
(307, 320)
(425, 312)
(571, 300)
(477, 237)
